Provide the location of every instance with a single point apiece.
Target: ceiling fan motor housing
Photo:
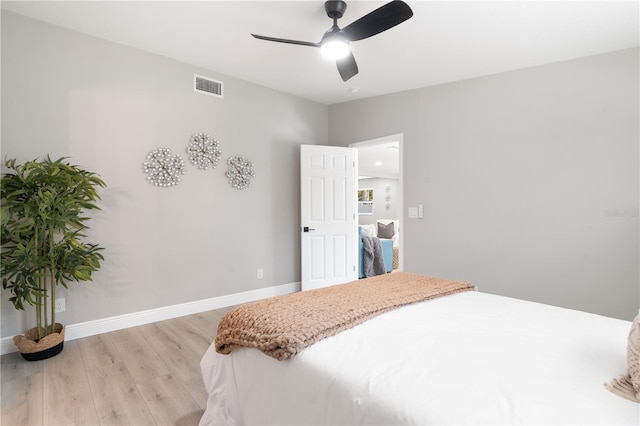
(335, 8)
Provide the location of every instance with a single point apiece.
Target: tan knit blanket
(628, 384)
(283, 326)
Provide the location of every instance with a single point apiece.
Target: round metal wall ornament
(204, 151)
(239, 171)
(163, 168)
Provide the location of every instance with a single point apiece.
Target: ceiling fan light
(335, 49)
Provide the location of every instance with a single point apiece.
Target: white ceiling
(443, 42)
(381, 160)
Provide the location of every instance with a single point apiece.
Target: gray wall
(107, 106)
(529, 179)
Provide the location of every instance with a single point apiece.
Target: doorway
(380, 187)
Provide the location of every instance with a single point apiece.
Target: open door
(329, 229)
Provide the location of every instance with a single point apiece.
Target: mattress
(467, 358)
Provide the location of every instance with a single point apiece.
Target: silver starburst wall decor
(163, 168)
(239, 171)
(204, 151)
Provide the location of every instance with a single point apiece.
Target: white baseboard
(105, 325)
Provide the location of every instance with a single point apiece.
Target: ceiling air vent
(207, 86)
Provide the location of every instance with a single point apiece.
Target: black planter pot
(47, 353)
(33, 348)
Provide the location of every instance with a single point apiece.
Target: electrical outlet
(61, 305)
(260, 274)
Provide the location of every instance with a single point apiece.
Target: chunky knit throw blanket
(372, 257)
(628, 384)
(283, 326)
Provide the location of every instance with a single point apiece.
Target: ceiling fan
(335, 42)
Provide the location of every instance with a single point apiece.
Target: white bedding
(468, 358)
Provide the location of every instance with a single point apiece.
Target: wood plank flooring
(147, 375)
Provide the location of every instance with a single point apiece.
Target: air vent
(207, 86)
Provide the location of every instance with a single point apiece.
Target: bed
(463, 358)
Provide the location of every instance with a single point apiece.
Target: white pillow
(368, 230)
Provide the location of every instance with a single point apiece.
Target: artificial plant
(42, 230)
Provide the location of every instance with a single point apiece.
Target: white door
(329, 229)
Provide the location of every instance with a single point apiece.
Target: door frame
(379, 141)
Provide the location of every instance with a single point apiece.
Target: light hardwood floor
(146, 375)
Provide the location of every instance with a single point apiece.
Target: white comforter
(469, 358)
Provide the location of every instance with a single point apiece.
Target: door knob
(307, 229)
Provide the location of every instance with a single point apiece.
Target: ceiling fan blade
(347, 67)
(381, 19)
(284, 40)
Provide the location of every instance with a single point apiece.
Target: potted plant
(42, 230)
